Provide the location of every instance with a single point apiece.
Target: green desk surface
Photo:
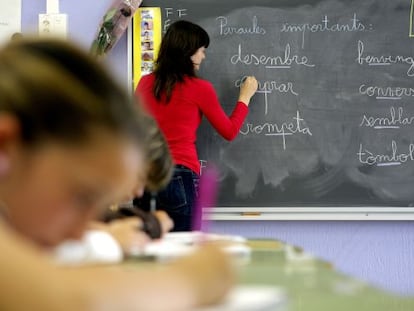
(314, 285)
(310, 284)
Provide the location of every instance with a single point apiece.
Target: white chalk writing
(384, 60)
(285, 61)
(267, 87)
(325, 25)
(297, 126)
(386, 92)
(393, 158)
(203, 165)
(172, 12)
(395, 120)
(270, 86)
(253, 29)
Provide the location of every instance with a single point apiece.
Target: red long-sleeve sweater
(180, 118)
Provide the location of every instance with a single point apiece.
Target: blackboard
(333, 121)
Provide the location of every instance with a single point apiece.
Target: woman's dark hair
(179, 43)
(58, 92)
(160, 163)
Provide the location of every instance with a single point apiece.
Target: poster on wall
(146, 39)
(10, 19)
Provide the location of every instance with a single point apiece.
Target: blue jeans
(179, 197)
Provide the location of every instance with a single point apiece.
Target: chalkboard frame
(368, 213)
(301, 213)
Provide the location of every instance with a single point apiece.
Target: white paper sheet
(10, 19)
(178, 244)
(253, 298)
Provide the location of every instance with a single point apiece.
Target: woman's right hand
(247, 89)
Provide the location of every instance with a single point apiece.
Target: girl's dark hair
(58, 92)
(179, 43)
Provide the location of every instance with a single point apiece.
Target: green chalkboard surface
(333, 121)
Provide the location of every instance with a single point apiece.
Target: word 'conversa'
(297, 126)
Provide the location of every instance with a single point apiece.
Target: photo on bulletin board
(147, 45)
(147, 57)
(147, 67)
(146, 25)
(146, 35)
(145, 38)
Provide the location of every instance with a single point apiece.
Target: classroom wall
(84, 17)
(378, 251)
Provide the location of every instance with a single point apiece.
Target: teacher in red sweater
(178, 99)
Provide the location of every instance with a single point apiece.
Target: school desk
(309, 284)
